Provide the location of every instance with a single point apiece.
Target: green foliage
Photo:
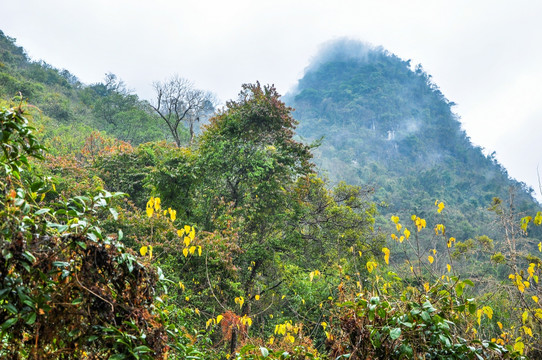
(387, 125)
(242, 251)
(68, 290)
(68, 107)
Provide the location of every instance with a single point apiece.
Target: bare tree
(177, 100)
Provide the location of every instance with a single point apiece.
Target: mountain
(384, 124)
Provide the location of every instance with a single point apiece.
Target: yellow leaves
(530, 270)
(407, 233)
(519, 346)
(527, 330)
(218, 319)
(525, 222)
(518, 281)
(419, 222)
(386, 252)
(394, 237)
(324, 325)
(156, 204)
(540, 246)
(499, 324)
(449, 267)
(143, 250)
(431, 259)
(479, 313)
(524, 316)
(210, 322)
(153, 205)
(426, 287)
(440, 207)
(240, 300)
(395, 220)
(290, 338)
(313, 274)
(188, 234)
(535, 298)
(257, 297)
(286, 329)
(450, 241)
(488, 311)
(371, 265)
(538, 218)
(440, 228)
(181, 285)
(172, 214)
(149, 210)
(271, 340)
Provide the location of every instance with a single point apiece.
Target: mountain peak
(388, 125)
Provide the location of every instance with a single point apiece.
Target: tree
(67, 291)
(177, 100)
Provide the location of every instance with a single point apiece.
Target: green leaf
(395, 333)
(60, 264)
(117, 357)
(42, 211)
(11, 308)
(264, 351)
(425, 316)
(459, 288)
(9, 322)
(114, 213)
(31, 319)
(77, 301)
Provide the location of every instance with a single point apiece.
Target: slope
(386, 125)
(71, 110)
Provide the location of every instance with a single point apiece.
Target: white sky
(486, 56)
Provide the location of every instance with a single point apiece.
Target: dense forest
(126, 233)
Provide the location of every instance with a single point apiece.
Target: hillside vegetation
(116, 246)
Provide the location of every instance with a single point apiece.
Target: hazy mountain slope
(71, 109)
(388, 126)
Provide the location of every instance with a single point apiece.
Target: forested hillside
(387, 126)
(121, 240)
(70, 110)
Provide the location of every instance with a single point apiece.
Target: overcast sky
(486, 56)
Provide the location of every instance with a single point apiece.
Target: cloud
(342, 49)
